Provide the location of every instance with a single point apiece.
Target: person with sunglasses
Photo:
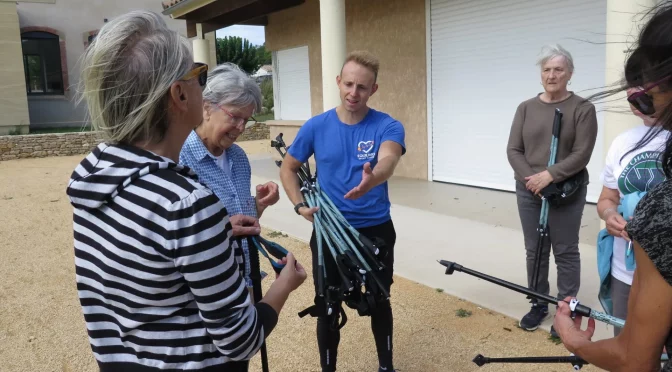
(528, 152)
(158, 273)
(648, 324)
(230, 98)
(632, 168)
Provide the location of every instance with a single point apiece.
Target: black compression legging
(381, 319)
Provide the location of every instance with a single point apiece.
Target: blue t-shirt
(341, 150)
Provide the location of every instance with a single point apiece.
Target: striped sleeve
(200, 239)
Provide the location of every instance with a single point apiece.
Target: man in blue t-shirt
(356, 149)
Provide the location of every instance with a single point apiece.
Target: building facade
(452, 71)
(42, 42)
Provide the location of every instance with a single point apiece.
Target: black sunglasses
(200, 70)
(643, 101)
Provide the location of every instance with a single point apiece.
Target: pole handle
(556, 123)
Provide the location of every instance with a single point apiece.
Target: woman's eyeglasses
(200, 70)
(236, 120)
(643, 101)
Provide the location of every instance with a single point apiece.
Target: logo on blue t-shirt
(364, 150)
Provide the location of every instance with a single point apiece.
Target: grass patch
(461, 313)
(555, 340)
(275, 234)
(264, 117)
(440, 290)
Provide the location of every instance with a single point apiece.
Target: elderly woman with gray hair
(157, 271)
(230, 98)
(528, 152)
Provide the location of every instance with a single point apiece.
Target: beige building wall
(394, 30)
(624, 21)
(13, 100)
(296, 27)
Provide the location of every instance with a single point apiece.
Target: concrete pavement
(476, 228)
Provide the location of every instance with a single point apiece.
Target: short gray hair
(229, 85)
(126, 76)
(555, 50)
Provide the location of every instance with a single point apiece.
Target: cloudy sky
(255, 34)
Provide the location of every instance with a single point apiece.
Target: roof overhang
(178, 8)
(216, 14)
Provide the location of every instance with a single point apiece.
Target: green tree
(267, 94)
(263, 56)
(237, 50)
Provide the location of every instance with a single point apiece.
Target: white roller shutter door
(292, 84)
(483, 55)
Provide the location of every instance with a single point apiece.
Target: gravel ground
(42, 329)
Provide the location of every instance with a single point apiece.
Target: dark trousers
(620, 293)
(563, 227)
(381, 318)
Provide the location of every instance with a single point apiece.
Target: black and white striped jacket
(158, 280)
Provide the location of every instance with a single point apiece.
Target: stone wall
(64, 144)
(42, 145)
(258, 131)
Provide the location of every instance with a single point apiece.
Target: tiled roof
(170, 3)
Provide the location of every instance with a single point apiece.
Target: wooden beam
(191, 29)
(249, 13)
(213, 26)
(217, 8)
(259, 21)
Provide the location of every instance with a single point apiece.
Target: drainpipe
(332, 33)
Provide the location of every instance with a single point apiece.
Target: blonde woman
(157, 273)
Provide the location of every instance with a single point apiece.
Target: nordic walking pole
(574, 304)
(321, 274)
(576, 362)
(319, 230)
(543, 217)
(333, 224)
(255, 275)
(360, 237)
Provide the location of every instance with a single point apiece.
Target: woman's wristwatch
(298, 206)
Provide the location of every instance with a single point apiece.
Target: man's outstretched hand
(364, 186)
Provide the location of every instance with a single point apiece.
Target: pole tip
(450, 266)
(480, 360)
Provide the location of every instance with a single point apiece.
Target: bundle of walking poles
(576, 308)
(357, 259)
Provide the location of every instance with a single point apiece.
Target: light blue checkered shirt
(234, 191)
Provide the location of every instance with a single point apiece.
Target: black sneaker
(533, 319)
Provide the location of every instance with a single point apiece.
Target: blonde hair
(126, 75)
(365, 59)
